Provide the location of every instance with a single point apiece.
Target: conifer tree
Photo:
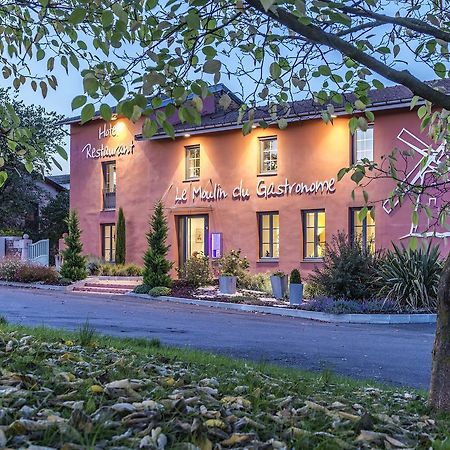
(156, 264)
(121, 238)
(74, 263)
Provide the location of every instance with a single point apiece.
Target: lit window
(363, 231)
(268, 155)
(313, 233)
(192, 162)
(269, 235)
(363, 145)
(109, 185)
(109, 242)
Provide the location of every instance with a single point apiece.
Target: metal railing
(109, 199)
(38, 252)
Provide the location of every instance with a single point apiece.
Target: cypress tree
(156, 264)
(74, 263)
(121, 238)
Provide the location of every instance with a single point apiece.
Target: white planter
(227, 285)
(279, 286)
(295, 294)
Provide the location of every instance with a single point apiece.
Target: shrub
(74, 263)
(348, 272)
(295, 277)
(115, 270)
(120, 238)
(25, 272)
(254, 282)
(9, 268)
(159, 290)
(156, 264)
(93, 265)
(142, 289)
(342, 306)
(196, 271)
(233, 263)
(33, 273)
(411, 277)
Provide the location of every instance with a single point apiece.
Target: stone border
(385, 319)
(45, 287)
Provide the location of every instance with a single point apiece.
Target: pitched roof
(61, 181)
(390, 97)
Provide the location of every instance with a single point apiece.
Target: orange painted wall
(307, 151)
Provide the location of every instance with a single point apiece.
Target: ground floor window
(109, 242)
(192, 237)
(363, 230)
(269, 235)
(313, 233)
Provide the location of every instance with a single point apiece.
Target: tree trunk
(439, 398)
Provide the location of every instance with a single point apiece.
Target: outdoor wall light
(187, 135)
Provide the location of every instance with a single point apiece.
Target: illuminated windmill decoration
(418, 177)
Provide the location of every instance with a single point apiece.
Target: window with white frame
(363, 145)
(193, 162)
(269, 235)
(313, 233)
(268, 155)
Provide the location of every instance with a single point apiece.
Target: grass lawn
(84, 391)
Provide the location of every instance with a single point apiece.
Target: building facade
(273, 193)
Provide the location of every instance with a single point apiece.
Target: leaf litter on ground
(56, 394)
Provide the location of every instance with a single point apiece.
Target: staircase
(107, 285)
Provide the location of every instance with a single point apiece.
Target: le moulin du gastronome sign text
(107, 151)
(263, 190)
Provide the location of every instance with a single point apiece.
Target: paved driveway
(397, 354)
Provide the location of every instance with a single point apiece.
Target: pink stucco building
(273, 193)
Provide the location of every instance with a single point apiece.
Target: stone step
(102, 290)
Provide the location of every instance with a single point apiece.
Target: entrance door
(109, 242)
(192, 237)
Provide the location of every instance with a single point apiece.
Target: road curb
(44, 287)
(376, 319)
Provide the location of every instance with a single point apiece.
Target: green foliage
(53, 220)
(3, 320)
(156, 264)
(159, 291)
(295, 277)
(118, 270)
(232, 263)
(25, 272)
(411, 277)
(86, 334)
(196, 271)
(348, 271)
(254, 282)
(120, 238)
(142, 289)
(74, 263)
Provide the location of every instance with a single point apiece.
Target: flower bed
(25, 272)
(319, 304)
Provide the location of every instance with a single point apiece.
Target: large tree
(278, 50)
(23, 192)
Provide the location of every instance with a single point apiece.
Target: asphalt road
(395, 354)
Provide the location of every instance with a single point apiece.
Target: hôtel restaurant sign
(105, 150)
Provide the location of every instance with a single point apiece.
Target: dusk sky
(71, 85)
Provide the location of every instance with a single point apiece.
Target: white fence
(38, 253)
(24, 249)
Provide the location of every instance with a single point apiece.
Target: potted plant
(295, 288)
(231, 265)
(279, 283)
(227, 283)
